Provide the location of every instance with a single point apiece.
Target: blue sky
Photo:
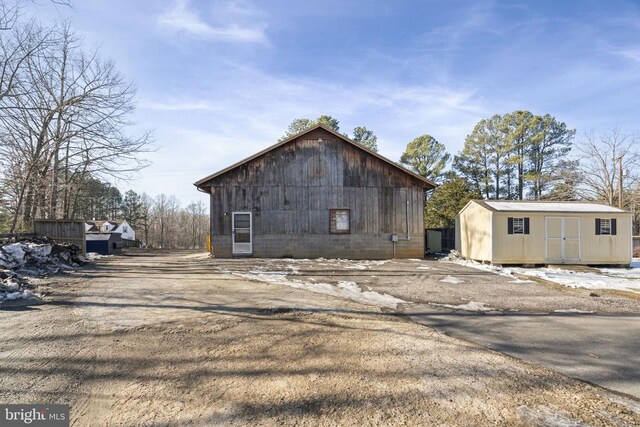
(220, 80)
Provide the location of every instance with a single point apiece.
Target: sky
(218, 81)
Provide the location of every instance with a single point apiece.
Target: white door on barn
(241, 233)
(562, 238)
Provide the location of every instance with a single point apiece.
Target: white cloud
(181, 18)
(249, 110)
(632, 53)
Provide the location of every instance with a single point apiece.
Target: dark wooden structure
(62, 231)
(316, 194)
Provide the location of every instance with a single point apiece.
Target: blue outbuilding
(104, 243)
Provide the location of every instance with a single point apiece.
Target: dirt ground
(178, 339)
(432, 282)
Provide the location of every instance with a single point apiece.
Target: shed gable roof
(201, 183)
(546, 206)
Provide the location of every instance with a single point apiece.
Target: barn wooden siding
(291, 189)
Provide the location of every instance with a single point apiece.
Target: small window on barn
(339, 221)
(606, 226)
(518, 225)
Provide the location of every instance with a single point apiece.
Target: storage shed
(519, 232)
(316, 194)
(104, 243)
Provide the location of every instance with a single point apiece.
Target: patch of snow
(16, 251)
(633, 272)
(522, 281)
(293, 270)
(347, 264)
(627, 279)
(356, 267)
(423, 267)
(573, 310)
(451, 279)
(470, 306)
(94, 255)
(296, 260)
(344, 289)
(12, 296)
(543, 416)
(39, 251)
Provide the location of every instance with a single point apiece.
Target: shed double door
(562, 238)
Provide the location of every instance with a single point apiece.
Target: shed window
(518, 225)
(606, 226)
(340, 220)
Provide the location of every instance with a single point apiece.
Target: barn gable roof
(427, 184)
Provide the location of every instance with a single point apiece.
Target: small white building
(532, 232)
(121, 227)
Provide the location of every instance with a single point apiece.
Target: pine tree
(427, 157)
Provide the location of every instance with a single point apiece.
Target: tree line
(517, 156)
(64, 122)
(159, 222)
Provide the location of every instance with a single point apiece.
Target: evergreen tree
(514, 156)
(426, 156)
(366, 138)
(474, 162)
(447, 200)
(131, 208)
(329, 122)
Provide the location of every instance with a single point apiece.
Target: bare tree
(198, 221)
(69, 121)
(10, 11)
(599, 168)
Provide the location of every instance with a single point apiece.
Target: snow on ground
(470, 306)
(573, 310)
(451, 279)
(32, 257)
(626, 279)
(347, 264)
(25, 294)
(344, 289)
(94, 255)
(633, 272)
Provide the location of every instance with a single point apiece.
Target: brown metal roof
(428, 183)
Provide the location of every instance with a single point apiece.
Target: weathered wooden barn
(316, 194)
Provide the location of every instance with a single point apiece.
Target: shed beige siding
(475, 232)
(531, 248)
(484, 236)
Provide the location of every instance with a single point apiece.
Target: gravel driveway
(594, 338)
(178, 339)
